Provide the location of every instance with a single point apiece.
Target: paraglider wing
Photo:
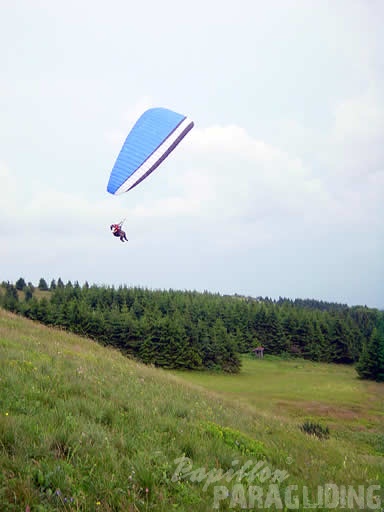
(154, 136)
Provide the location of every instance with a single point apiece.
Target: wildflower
(98, 503)
(6, 414)
(146, 490)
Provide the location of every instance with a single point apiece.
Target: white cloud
(359, 118)
(7, 183)
(237, 176)
(10, 211)
(357, 135)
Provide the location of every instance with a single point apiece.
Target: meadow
(84, 428)
(298, 389)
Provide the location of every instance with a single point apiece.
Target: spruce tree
(339, 343)
(371, 362)
(11, 298)
(28, 293)
(43, 284)
(276, 343)
(20, 284)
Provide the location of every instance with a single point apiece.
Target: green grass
(83, 428)
(297, 388)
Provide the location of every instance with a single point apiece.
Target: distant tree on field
(42, 285)
(20, 284)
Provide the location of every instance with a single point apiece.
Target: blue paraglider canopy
(154, 136)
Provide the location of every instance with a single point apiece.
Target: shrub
(235, 439)
(315, 429)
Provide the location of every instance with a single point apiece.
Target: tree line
(194, 330)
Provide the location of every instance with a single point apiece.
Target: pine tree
(303, 336)
(317, 348)
(261, 325)
(371, 362)
(11, 298)
(20, 284)
(42, 284)
(339, 343)
(276, 343)
(28, 293)
(31, 311)
(43, 311)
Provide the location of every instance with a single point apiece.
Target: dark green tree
(340, 343)
(20, 284)
(371, 362)
(43, 311)
(302, 336)
(275, 342)
(43, 285)
(28, 293)
(317, 350)
(11, 298)
(31, 309)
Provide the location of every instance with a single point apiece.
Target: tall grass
(84, 428)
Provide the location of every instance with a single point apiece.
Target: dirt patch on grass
(321, 409)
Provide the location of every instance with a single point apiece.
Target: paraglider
(118, 231)
(153, 137)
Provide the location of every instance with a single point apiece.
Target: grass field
(299, 389)
(83, 428)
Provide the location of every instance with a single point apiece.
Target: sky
(277, 191)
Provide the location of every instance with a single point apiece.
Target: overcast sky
(277, 191)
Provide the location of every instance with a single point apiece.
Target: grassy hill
(84, 428)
